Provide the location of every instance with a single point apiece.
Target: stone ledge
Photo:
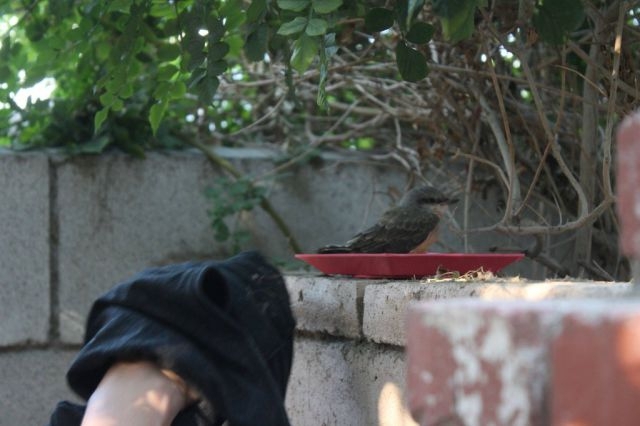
(327, 305)
(385, 306)
(376, 309)
(520, 362)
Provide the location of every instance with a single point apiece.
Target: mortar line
(54, 275)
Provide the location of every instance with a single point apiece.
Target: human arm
(136, 394)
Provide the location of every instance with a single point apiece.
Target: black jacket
(225, 327)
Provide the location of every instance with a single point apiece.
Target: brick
(627, 184)
(327, 305)
(519, 363)
(596, 367)
(475, 363)
(24, 243)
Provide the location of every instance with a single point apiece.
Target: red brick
(476, 362)
(596, 370)
(568, 363)
(628, 184)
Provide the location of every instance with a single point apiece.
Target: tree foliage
(524, 94)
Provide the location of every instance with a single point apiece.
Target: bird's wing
(400, 230)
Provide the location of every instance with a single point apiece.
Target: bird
(410, 227)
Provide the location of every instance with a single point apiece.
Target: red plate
(389, 265)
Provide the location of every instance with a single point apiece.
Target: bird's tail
(334, 249)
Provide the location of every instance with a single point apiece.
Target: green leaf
(196, 76)
(555, 19)
(156, 113)
(456, 17)
(167, 72)
(206, 88)
(126, 91)
(413, 8)
(216, 67)
(330, 46)
(326, 6)
(316, 27)
(305, 50)
(411, 63)
(256, 45)
(378, 19)
(95, 146)
(221, 230)
(294, 26)
(420, 33)
(233, 12)
(407, 11)
(119, 6)
(178, 90)
(256, 11)
(117, 105)
(161, 90)
(168, 52)
(218, 51)
(60, 9)
(99, 118)
(294, 5)
(107, 99)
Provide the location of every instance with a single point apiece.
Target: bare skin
(137, 394)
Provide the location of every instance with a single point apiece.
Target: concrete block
(24, 243)
(118, 215)
(328, 200)
(476, 362)
(33, 382)
(327, 305)
(346, 383)
(385, 306)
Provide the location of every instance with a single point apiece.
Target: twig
(608, 133)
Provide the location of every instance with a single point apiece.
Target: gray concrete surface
(32, 382)
(24, 244)
(385, 306)
(118, 215)
(346, 383)
(323, 304)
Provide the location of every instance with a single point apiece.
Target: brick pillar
(628, 191)
(476, 363)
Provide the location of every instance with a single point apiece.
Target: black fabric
(225, 327)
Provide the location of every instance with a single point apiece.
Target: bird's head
(427, 196)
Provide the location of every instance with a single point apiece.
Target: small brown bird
(411, 227)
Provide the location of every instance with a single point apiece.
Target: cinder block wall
(70, 228)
